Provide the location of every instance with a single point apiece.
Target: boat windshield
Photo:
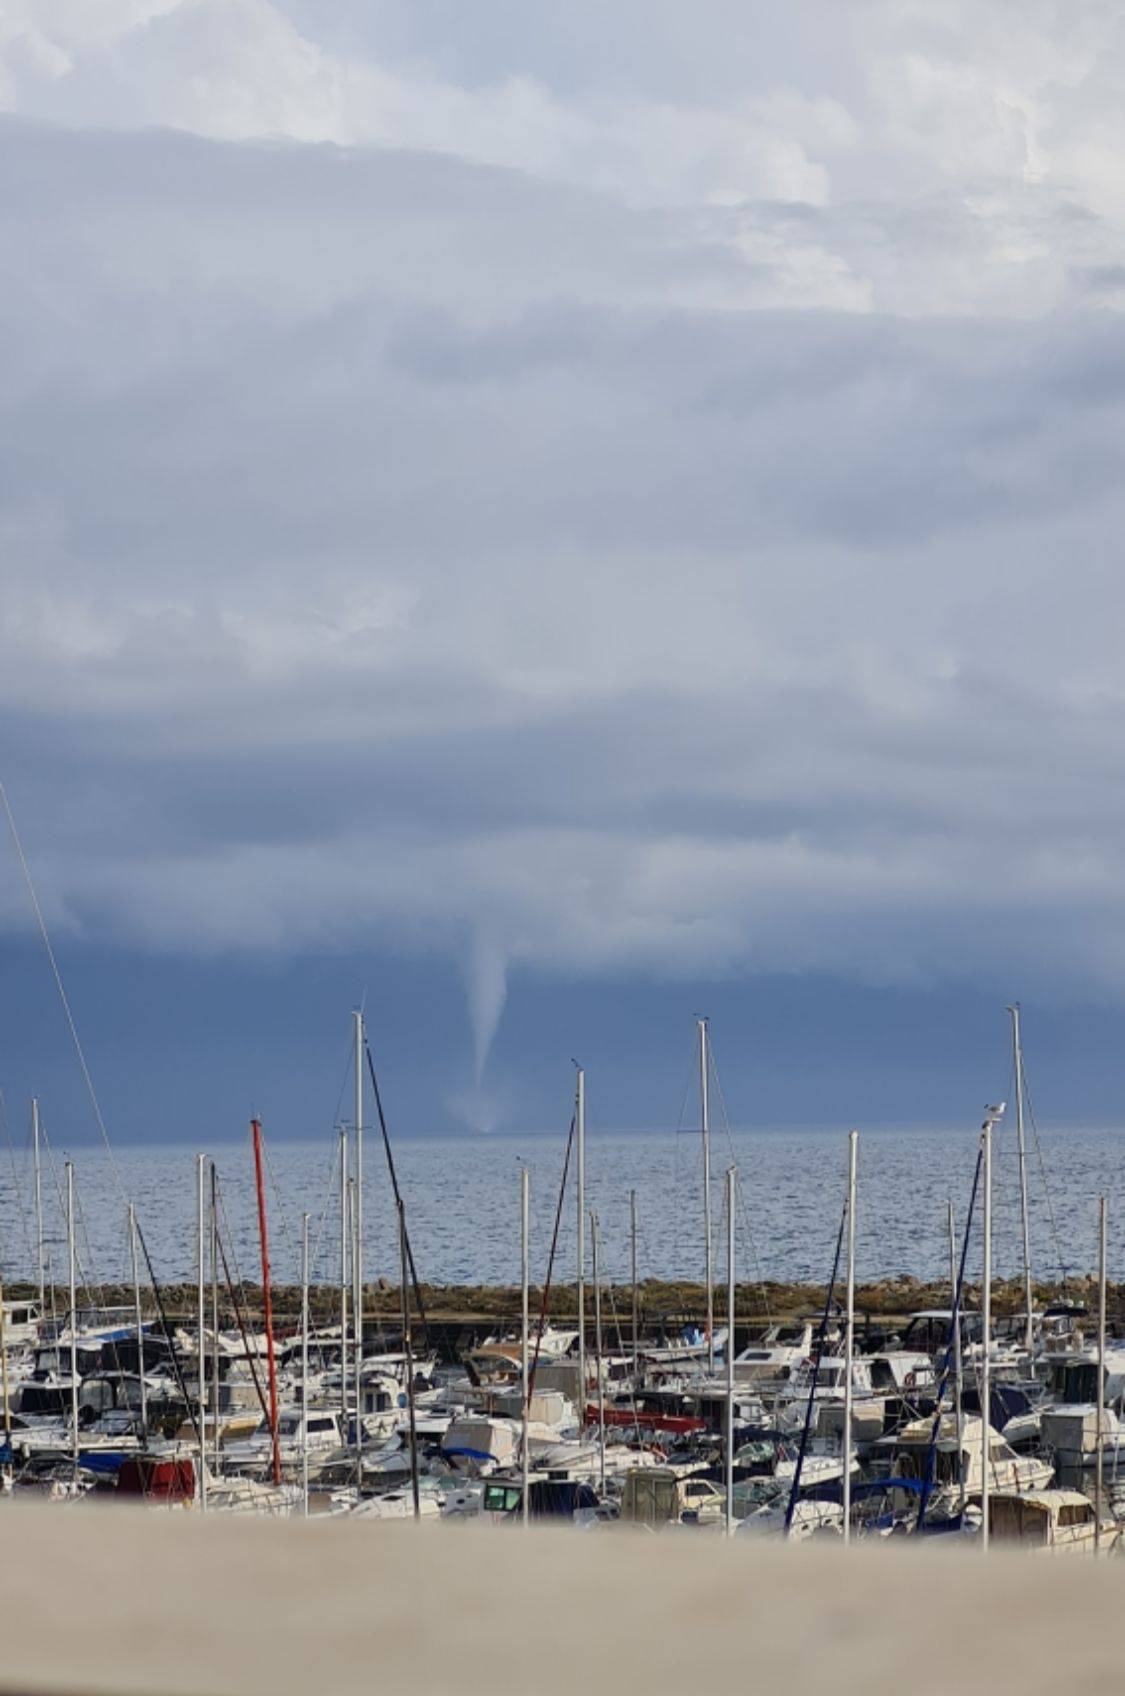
(501, 1498)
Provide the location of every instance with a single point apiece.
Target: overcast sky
(613, 505)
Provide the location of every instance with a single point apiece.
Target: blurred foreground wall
(133, 1600)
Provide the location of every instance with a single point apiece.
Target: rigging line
(679, 1212)
(742, 1207)
(233, 1245)
(329, 1196)
(53, 1176)
(251, 1360)
(550, 1272)
(169, 1339)
(78, 1049)
(344, 1076)
(622, 1351)
(749, 1237)
(1063, 1268)
(951, 1349)
(817, 1356)
(397, 1195)
(285, 1232)
(94, 1285)
(17, 1186)
(85, 1271)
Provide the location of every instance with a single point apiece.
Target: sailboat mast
(344, 1277)
(353, 1216)
(1099, 1459)
(215, 1316)
(139, 1321)
(408, 1353)
(986, 1339)
(200, 1341)
(595, 1244)
(1021, 1146)
(525, 1330)
(580, 1130)
(849, 1337)
(305, 1363)
(633, 1273)
(728, 1443)
(4, 1386)
(41, 1262)
(357, 1244)
(957, 1368)
(70, 1254)
(705, 1122)
(267, 1299)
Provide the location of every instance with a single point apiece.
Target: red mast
(267, 1304)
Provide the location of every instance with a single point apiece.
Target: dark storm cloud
(610, 547)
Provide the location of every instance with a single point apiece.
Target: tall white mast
(305, 1363)
(40, 1257)
(728, 1445)
(705, 1119)
(344, 1278)
(70, 1255)
(408, 1352)
(595, 1243)
(991, 1119)
(1099, 1462)
(1021, 1147)
(215, 1392)
(353, 1208)
(5, 1391)
(357, 1246)
(957, 1367)
(580, 1133)
(201, 1348)
(525, 1330)
(633, 1271)
(139, 1320)
(849, 1337)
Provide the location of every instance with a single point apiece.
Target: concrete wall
(105, 1598)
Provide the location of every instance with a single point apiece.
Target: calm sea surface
(463, 1204)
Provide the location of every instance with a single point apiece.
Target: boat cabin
(21, 1323)
(659, 1495)
(1049, 1521)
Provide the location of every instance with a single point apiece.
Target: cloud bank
(643, 496)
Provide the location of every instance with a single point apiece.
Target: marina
(990, 1408)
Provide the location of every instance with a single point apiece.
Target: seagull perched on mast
(993, 1115)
